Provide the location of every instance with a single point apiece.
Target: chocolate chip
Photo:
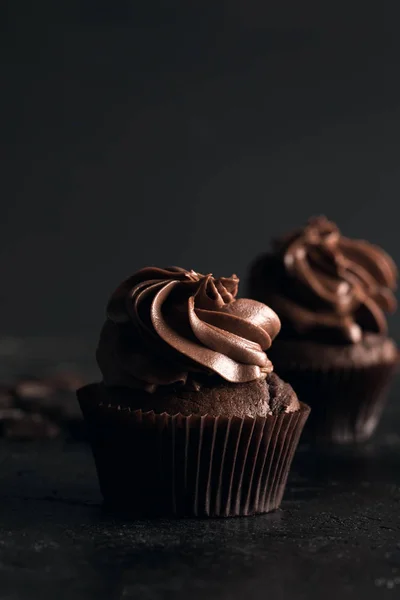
(6, 398)
(11, 414)
(31, 426)
(44, 407)
(33, 389)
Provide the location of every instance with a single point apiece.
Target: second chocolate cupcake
(331, 294)
(190, 419)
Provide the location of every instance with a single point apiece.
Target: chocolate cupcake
(189, 418)
(331, 294)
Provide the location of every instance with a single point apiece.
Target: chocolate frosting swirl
(323, 283)
(164, 326)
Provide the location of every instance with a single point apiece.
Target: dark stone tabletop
(337, 534)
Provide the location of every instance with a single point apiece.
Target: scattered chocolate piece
(33, 389)
(37, 408)
(10, 414)
(31, 426)
(6, 398)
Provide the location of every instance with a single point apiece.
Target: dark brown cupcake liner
(346, 404)
(203, 466)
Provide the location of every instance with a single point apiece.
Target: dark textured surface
(337, 535)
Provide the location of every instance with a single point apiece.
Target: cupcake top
(172, 326)
(326, 286)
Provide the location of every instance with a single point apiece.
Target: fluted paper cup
(346, 404)
(158, 464)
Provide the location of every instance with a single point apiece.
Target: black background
(185, 133)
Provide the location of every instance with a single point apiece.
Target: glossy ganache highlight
(169, 326)
(326, 285)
